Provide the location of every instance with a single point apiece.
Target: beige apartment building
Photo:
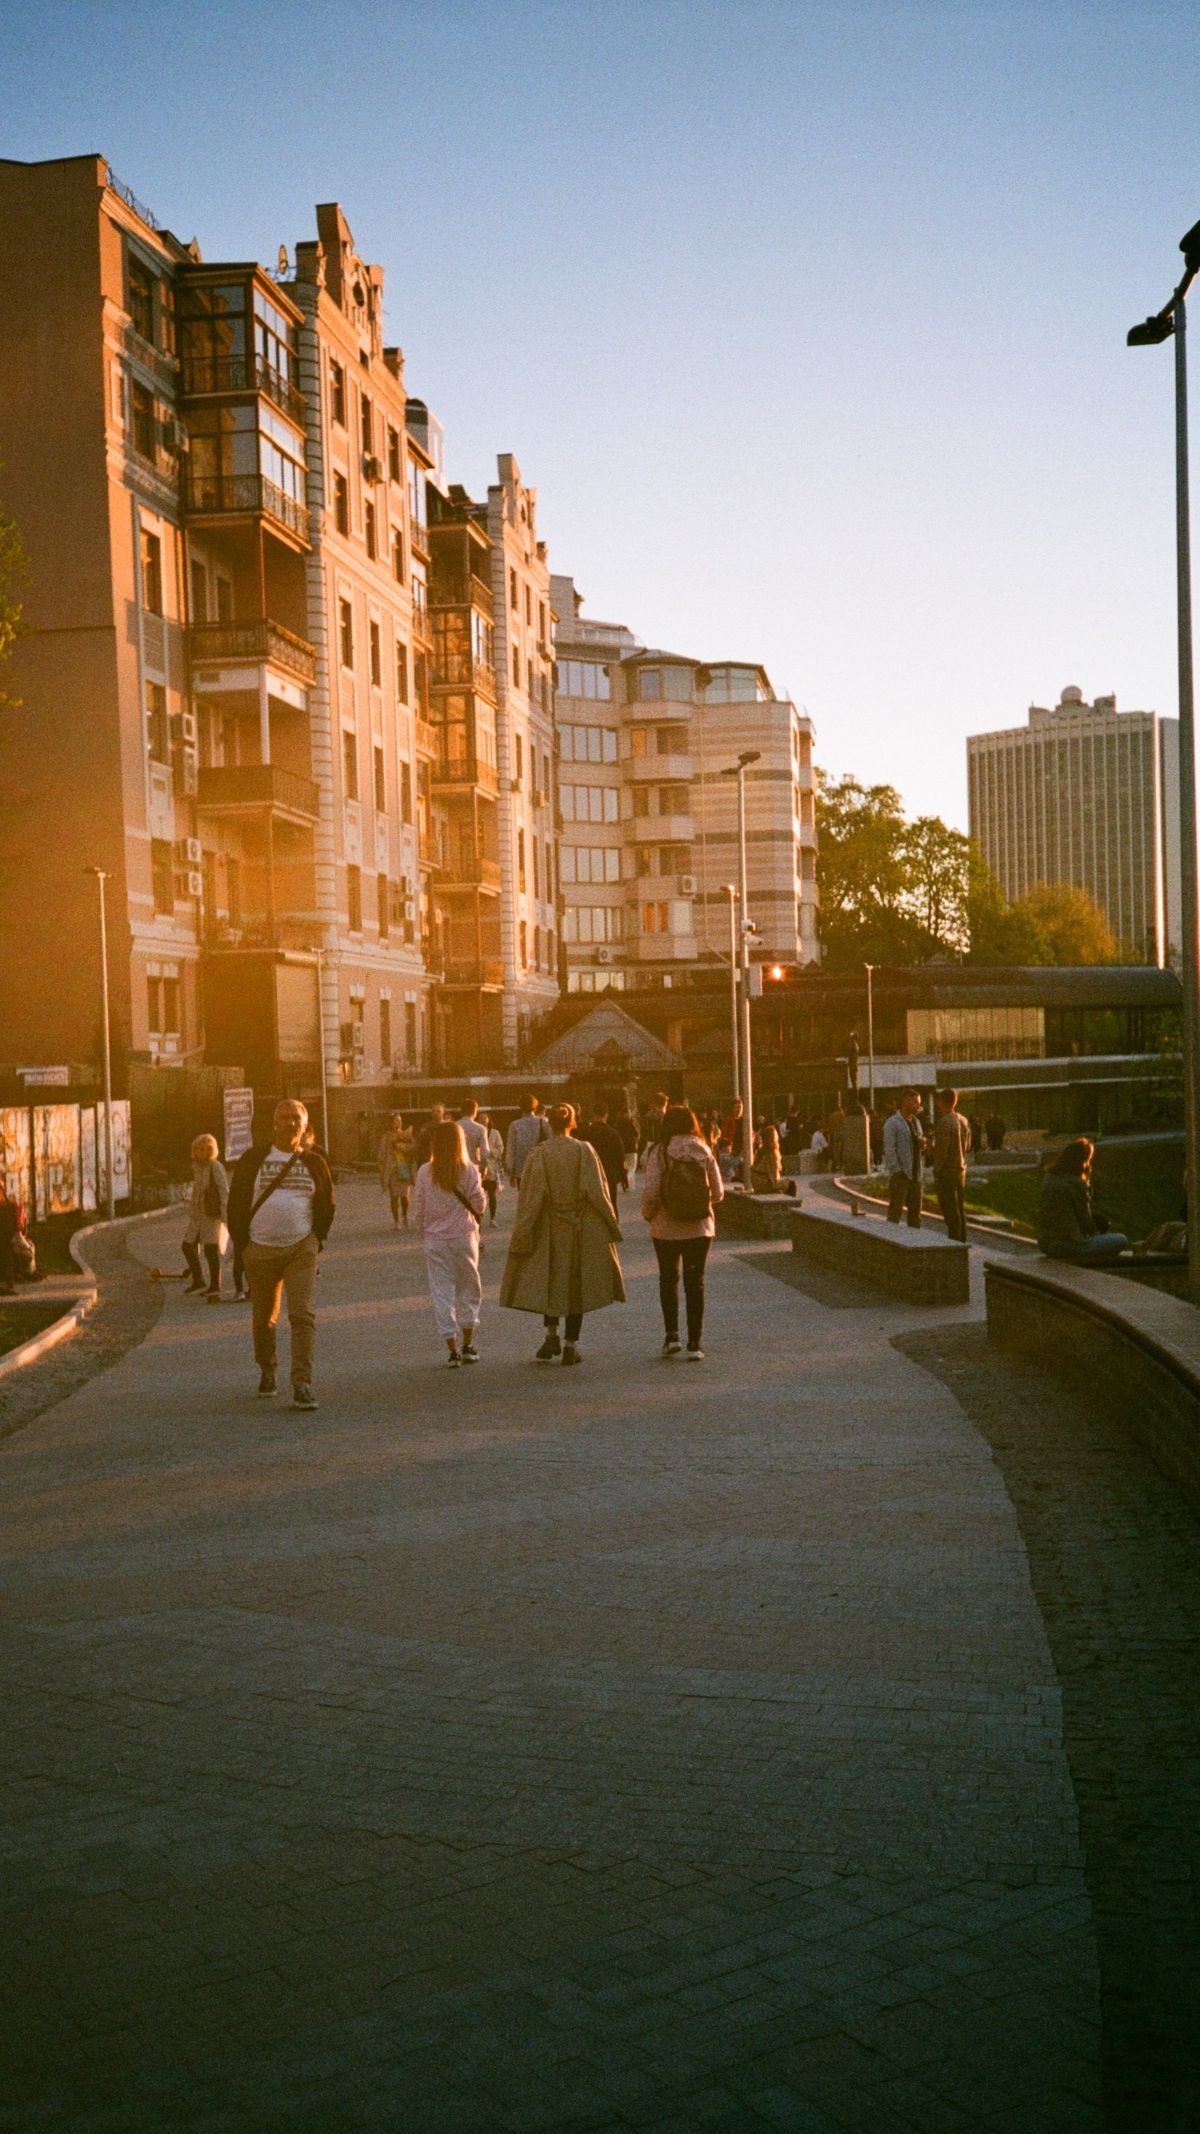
(649, 838)
(1088, 795)
(226, 679)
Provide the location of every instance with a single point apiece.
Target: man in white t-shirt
(281, 1205)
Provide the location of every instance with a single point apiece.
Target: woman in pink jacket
(448, 1201)
(683, 1185)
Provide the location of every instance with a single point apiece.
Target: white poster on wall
(239, 1122)
(15, 1153)
(120, 1145)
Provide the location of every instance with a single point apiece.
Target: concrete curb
(66, 1324)
(983, 1232)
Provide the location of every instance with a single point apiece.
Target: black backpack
(686, 1193)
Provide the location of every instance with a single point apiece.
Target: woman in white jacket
(683, 1185)
(447, 1204)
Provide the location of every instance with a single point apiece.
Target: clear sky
(807, 321)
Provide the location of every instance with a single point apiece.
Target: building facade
(649, 838)
(1087, 795)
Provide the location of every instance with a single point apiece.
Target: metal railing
(484, 970)
(257, 785)
(259, 639)
(127, 194)
(205, 494)
(241, 374)
(469, 871)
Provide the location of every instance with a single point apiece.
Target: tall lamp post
(738, 770)
(110, 1204)
(870, 971)
(319, 953)
(1172, 319)
(731, 893)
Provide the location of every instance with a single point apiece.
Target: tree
(862, 875)
(1071, 923)
(937, 862)
(999, 933)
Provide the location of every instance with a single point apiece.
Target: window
(586, 863)
(512, 591)
(588, 744)
(380, 786)
(141, 299)
(354, 899)
(410, 1030)
(141, 401)
(419, 597)
(671, 740)
(586, 924)
(341, 503)
(369, 533)
(337, 394)
(393, 442)
(583, 678)
(398, 556)
(401, 673)
(416, 496)
(542, 620)
(638, 739)
(550, 872)
(517, 666)
(276, 340)
(383, 905)
(346, 632)
(158, 740)
(350, 763)
(374, 643)
(162, 870)
(673, 800)
(528, 608)
(654, 918)
(588, 803)
(537, 886)
(162, 1003)
(199, 583)
(385, 1029)
(367, 425)
(519, 748)
(520, 859)
(406, 792)
(152, 579)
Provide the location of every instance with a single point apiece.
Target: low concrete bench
(918, 1266)
(756, 1214)
(1138, 1346)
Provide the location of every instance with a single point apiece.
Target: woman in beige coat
(562, 1258)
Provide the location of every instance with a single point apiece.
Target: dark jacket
(241, 1192)
(1065, 1216)
(610, 1149)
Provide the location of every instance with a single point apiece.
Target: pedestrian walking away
(474, 1134)
(206, 1229)
(525, 1134)
(903, 1151)
(448, 1206)
(562, 1256)
(495, 1164)
(396, 1168)
(281, 1207)
(609, 1148)
(951, 1143)
(682, 1187)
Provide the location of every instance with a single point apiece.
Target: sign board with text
(239, 1122)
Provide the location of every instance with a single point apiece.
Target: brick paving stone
(644, 1748)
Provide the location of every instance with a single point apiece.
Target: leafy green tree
(863, 875)
(999, 933)
(1071, 923)
(937, 863)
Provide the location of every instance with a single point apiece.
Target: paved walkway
(640, 1746)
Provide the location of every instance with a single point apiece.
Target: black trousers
(904, 1198)
(191, 1254)
(571, 1326)
(671, 1254)
(949, 1186)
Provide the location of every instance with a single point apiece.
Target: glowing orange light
(776, 970)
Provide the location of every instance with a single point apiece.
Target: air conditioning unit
(195, 882)
(188, 732)
(189, 770)
(604, 955)
(687, 885)
(373, 468)
(189, 850)
(357, 1036)
(410, 909)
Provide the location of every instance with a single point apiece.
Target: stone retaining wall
(920, 1266)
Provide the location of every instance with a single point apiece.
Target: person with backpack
(683, 1185)
(206, 1230)
(448, 1205)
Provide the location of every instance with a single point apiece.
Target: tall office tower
(524, 660)
(649, 819)
(1087, 795)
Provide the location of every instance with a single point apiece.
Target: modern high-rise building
(227, 677)
(1086, 795)
(649, 840)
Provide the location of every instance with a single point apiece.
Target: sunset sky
(807, 322)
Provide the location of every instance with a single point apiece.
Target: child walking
(447, 1205)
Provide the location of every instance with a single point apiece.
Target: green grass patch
(1135, 1205)
(20, 1322)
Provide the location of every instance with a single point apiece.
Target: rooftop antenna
(282, 267)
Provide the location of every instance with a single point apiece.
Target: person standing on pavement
(448, 1206)
(562, 1256)
(423, 1136)
(682, 1187)
(903, 1151)
(495, 1163)
(652, 1126)
(206, 1231)
(10, 1223)
(395, 1168)
(524, 1135)
(474, 1135)
(951, 1143)
(609, 1148)
(281, 1207)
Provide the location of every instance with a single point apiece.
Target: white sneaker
(695, 1355)
(672, 1345)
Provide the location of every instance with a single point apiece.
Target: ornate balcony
(224, 496)
(468, 771)
(255, 642)
(469, 871)
(248, 788)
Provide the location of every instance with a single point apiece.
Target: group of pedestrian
(906, 1146)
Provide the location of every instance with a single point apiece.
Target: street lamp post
(731, 893)
(110, 1204)
(870, 971)
(319, 953)
(738, 770)
(1172, 320)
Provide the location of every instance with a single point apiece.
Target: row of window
(587, 744)
(589, 864)
(588, 803)
(395, 905)
(588, 923)
(583, 678)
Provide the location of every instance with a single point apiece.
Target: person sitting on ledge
(1067, 1227)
